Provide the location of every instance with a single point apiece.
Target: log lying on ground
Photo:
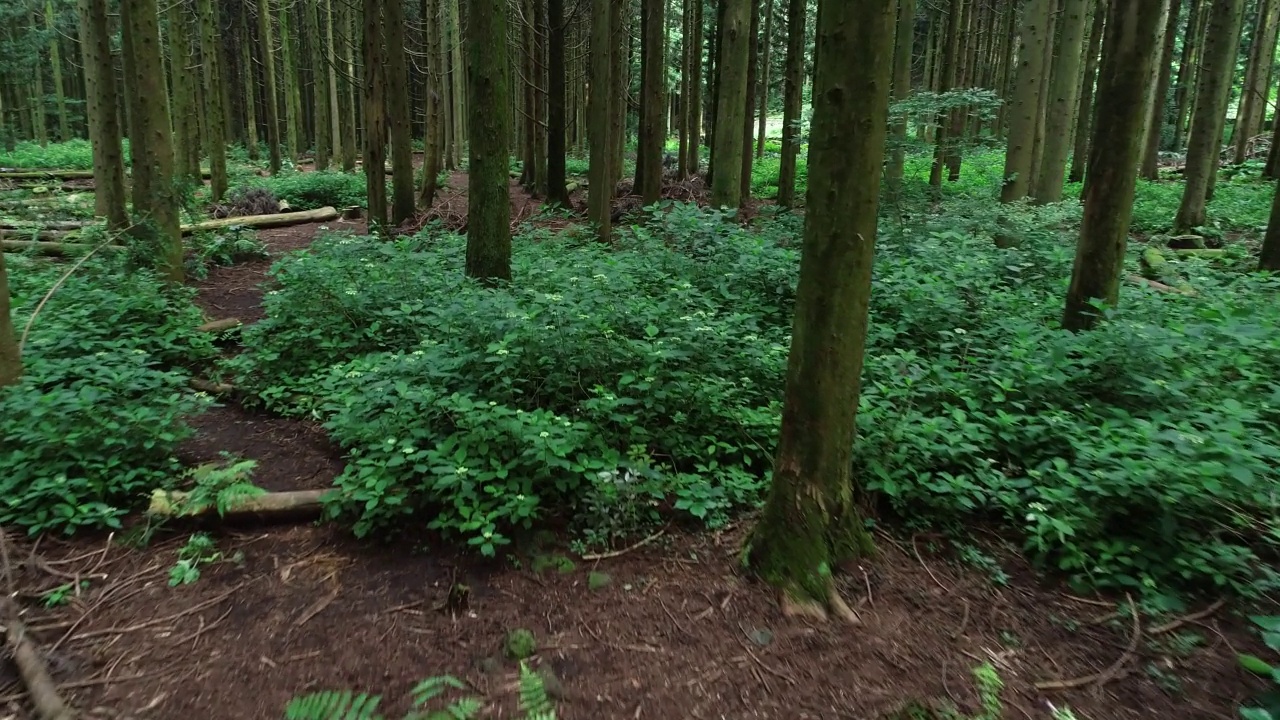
(219, 325)
(212, 388)
(46, 174)
(28, 226)
(1198, 252)
(44, 694)
(1154, 285)
(323, 214)
(53, 248)
(269, 506)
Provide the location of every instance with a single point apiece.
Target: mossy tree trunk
(350, 133)
(1257, 89)
(55, 64)
(459, 79)
(375, 116)
(906, 27)
(946, 81)
(731, 104)
(1188, 70)
(185, 108)
(250, 89)
(556, 126)
(319, 83)
(1061, 103)
(792, 89)
(103, 106)
(653, 128)
(1084, 112)
(1024, 113)
(331, 73)
(155, 196)
(434, 144)
(398, 109)
(693, 110)
(214, 112)
(1268, 259)
(748, 112)
(10, 357)
(599, 121)
(1129, 53)
(489, 126)
(810, 526)
(292, 85)
(1164, 74)
(765, 52)
(1213, 92)
(271, 107)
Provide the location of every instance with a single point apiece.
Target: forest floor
(676, 631)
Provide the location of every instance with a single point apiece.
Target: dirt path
(675, 632)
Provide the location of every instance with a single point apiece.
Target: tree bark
(375, 116)
(1059, 110)
(693, 161)
(185, 107)
(765, 52)
(793, 87)
(1268, 259)
(250, 88)
(458, 77)
(1189, 69)
(1155, 123)
(292, 92)
(556, 126)
(1128, 58)
(653, 131)
(906, 33)
(810, 526)
(619, 105)
(946, 81)
(271, 106)
(1024, 112)
(10, 357)
(103, 107)
(726, 177)
(319, 87)
(1213, 93)
(600, 187)
(55, 63)
(398, 111)
(331, 72)
(488, 194)
(350, 132)
(214, 112)
(1257, 89)
(1084, 114)
(748, 112)
(155, 199)
(434, 144)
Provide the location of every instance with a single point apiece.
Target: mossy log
(28, 226)
(323, 214)
(42, 247)
(46, 174)
(270, 506)
(214, 326)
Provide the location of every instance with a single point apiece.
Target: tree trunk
(185, 109)
(155, 199)
(946, 81)
(215, 114)
(1084, 114)
(1155, 124)
(331, 67)
(810, 526)
(600, 185)
(103, 108)
(292, 92)
(1268, 259)
(55, 63)
(10, 357)
(540, 98)
(1128, 57)
(1024, 112)
(764, 77)
(434, 144)
(1037, 151)
(36, 99)
(694, 117)
(319, 87)
(488, 194)
(459, 79)
(901, 90)
(653, 131)
(726, 176)
(397, 71)
(556, 126)
(793, 87)
(1189, 69)
(271, 106)
(250, 85)
(526, 115)
(1213, 93)
(1062, 101)
(619, 106)
(748, 129)
(375, 116)
(1257, 89)
(350, 133)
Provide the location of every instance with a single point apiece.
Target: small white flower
(503, 351)
(493, 403)
(544, 434)
(462, 470)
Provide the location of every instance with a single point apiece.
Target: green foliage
(222, 247)
(534, 700)
(62, 594)
(520, 644)
(1267, 705)
(97, 417)
(198, 551)
(347, 705)
(223, 487)
(70, 155)
(310, 190)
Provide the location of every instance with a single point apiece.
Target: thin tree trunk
(1084, 114)
(1062, 101)
(271, 106)
(401, 119)
(375, 116)
(37, 97)
(350, 132)
(250, 85)
(1189, 69)
(619, 106)
(540, 98)
(653, 131)
(726, 178)
(556, 127)
(331, 67)
(214, 113)
(10, 357)
(748, 129)
(810, 525)
(694, 160)
(906, 26)
(764, 77)
(600, 181)
(1256, 90)
(793, 86)
(1025, 104)
(185, 108)
(947, 80)
(488, 197)
(292, 99)
(459, 78)
(1213, 93)
(319, 87)
(155, 199)
(103, 106)
(434, 145)
(55, 62)
(1129, 55)
(1037, 152)
(1164, 70)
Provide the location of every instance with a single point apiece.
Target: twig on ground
(157, 621)
(1179, 622)
(925, 565)
(317, 608)
(1102, 678)
(616, 553)
(48, 703)
(964, 621)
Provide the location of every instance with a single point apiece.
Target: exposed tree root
(833, 607)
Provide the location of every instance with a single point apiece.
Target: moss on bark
(489, 126)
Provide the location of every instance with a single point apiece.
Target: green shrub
(310, 190)
(70, 155)
(94, 422)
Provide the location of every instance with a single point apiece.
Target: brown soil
(677, 632)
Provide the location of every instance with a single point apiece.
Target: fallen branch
(625, 550)
(214, 326)
(34, 225)
(323, 214)
(1106, 676)
(1193, 617)
(42, 174)
(275, 505)
(41, 247)
(44, 694)
(1155, 285)
(212, 388)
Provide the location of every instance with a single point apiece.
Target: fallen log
(46, 174)
(212, 388)
(1198, 252)
(24, 226)
(268, 506)
(214, 326)
(44, 694)
(53, 248)
(323, 214)
(1154, 285)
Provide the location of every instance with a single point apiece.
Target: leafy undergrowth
(94, 422)
(310, 190)
(70, 155)
(617, 384)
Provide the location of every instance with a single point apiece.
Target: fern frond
(432, 687)
(533, 696)
(235, 494)
(333, 705)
